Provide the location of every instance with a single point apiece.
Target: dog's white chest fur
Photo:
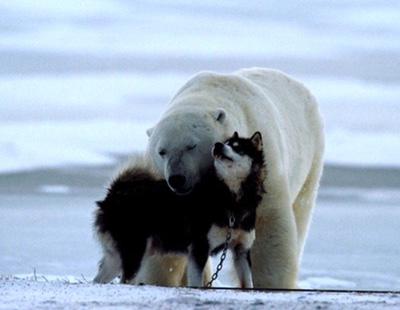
(217, 236)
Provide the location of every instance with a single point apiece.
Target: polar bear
(209, 108)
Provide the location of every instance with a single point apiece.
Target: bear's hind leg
(131, 257)
(304, 204)
(198, 257)
(109, 268)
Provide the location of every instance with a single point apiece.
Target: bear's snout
(177, 182)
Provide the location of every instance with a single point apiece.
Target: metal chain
(225, 249)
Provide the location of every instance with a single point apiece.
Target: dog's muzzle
(218, 151)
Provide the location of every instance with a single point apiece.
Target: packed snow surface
(62, 294)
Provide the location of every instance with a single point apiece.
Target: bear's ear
(149, 131)
(235, 135)
(219, 115)
(256, 139)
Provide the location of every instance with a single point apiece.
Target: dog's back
(139, 204)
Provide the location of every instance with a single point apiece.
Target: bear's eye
(191, 147)
(162, 152)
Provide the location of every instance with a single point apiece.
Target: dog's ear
(235, 135)
(219, 115)
(256, 139)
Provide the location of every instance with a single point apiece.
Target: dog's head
(237, 158)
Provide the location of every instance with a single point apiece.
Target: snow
(355, 148)
(90, 95)
(326, 282)
(52, 117)
(126, 25)
(49, 294)
(72, 8)
(103, 114)
(373, 195)
(134, 28)
(38, 144)
(374, 17)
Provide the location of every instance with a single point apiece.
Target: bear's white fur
(249, 100)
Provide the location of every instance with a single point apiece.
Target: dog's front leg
(243, 266)
(198, 255)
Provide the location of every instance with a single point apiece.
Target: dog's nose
(218, 147)
(177, 181)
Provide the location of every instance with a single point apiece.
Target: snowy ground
(82, 80)
(42, 294)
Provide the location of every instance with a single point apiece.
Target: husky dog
(141, 216)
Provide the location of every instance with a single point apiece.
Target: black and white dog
(141, 214)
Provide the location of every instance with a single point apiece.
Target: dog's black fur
(138, 207)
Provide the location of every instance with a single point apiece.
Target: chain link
(224, 251)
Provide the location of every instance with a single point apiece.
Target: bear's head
(180, 146)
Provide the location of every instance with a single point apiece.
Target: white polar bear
(209, 108)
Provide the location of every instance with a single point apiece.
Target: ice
(133, 28)
(382, 195)
(54, 189)
(86, 96)
(356, 148)
(326, 283)
(83, 119)
(30, 145)
(72, 8)
(373, 17)
(40, 231)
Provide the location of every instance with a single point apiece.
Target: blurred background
(81, 81)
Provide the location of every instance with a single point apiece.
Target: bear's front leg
(274, 253)
(198, 255)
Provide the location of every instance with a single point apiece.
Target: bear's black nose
(218, 147)
(177, 181)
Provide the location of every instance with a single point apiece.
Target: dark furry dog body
(141, 214)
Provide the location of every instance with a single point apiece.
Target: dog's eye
(236, 147)
(162, 152)
(191, 147)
